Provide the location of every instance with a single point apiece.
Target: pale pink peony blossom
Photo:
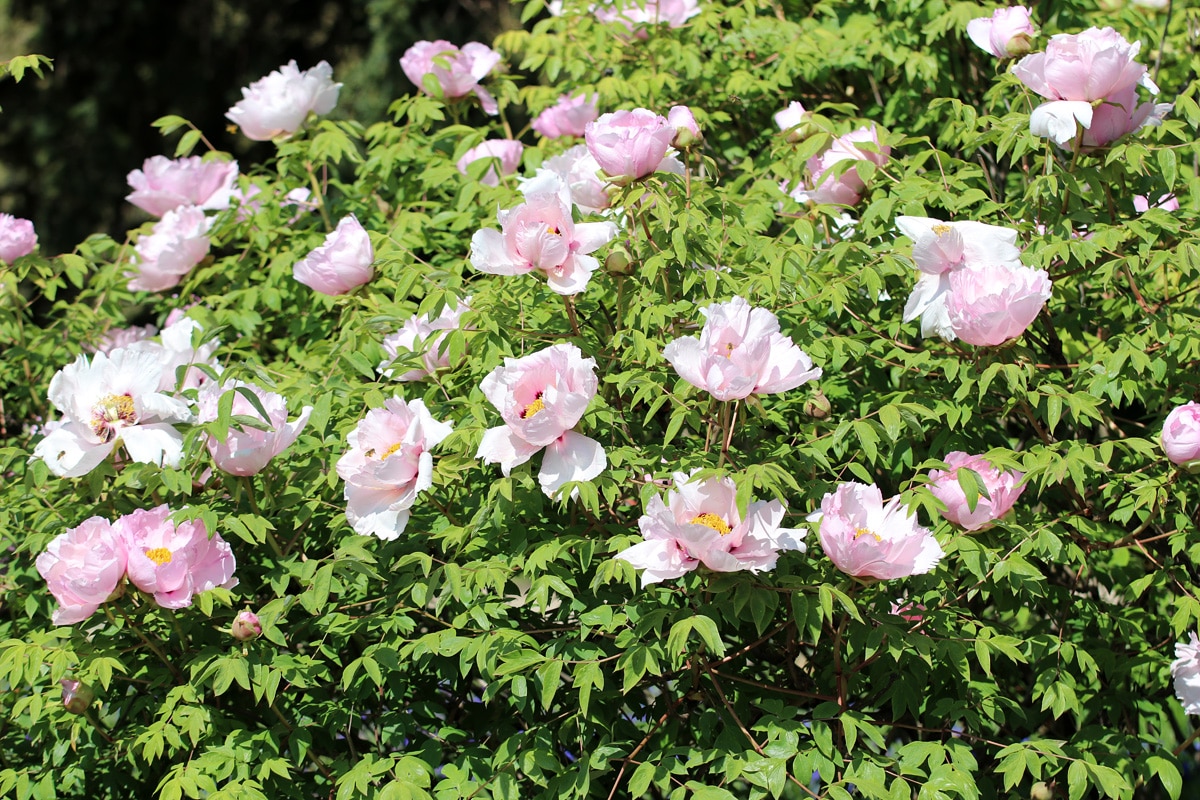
(174, 350)
(421, 334)
(687, 131)
(388, 465)
(17, 238)
(177, 243)
(82, 568)
(568, 117)
(343, 262)
(740, 352)
(573, 176)
(541, 398)
(116, 338)
(540, 235)
(1002, 490)
(866, 539)
(790, 119)
(163, 184)
(1185, 670)
(991, 304)
(112, 399)
(171, 561)
(637, 15)
(278, 104)
(629, 144)
(1167, 202)
(457, 72)
(1181, 434)
(845, 189)
(507, 155)
(247, 451)
(245, 626)
(700, 524)
(1006, 33)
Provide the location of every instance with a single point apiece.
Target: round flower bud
(76, 695)
(245, 626)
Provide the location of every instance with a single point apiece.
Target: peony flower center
(533, 408)
(711, 520)
(159, 555)
(729, 348)
(394, 448)
(111, 412)
(860, 532)
(941, 230)
(553, 229)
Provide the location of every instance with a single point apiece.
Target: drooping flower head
(989, 305)
(567, 117)
(17, 238)
(541, 398)
(865, 538)
(279, 103)
(740, 352)
(82, 568)
(1181, 434)
(1002, 487)
(163, 184)
(177, 243)
(388, 465)
(540, 235)
(112, 399)
(700, 524)
(174, 561)
(343, 262)
(247, 451)
(507, 155)
(629, 144)
(1006, 33)
(1185, 669)
(420, 333)
(457, 72)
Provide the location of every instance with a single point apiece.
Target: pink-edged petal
(573, 276)
(487, 102)
(574, 457)
(376, 512)
(500, 445)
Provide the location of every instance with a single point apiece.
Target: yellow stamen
(729, 348)
(867, 532)
(941, 230)
(159, 555)
(111, 411)
(553, 230)
(391, 450)
(711, 520)
(537, 405)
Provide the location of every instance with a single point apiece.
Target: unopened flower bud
(818, 406)
(618, 262)
(76, 695)
(1041, 791)
(245, 626)
(687, 131)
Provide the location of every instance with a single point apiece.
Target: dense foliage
(494, 646)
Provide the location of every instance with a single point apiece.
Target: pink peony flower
(687, 131)
(172, 562)
(1006, 33)
(82, 568)
(637, 15)
(740, 352)
(790, 119)
(541, 398)
(163, 184)
(116, 338)
(1181, 434)
(568, 117)
(572, 175)
(629, 144)
(342, 263)
(112, 399)
(991, 304)
(177, 243)
(540, 235)
(866, 539)
(507, 153)
(388, 465)
(278, 104)
(700, 524)
(1185, 670)
(16, 238)
(456, 72)
(845, 189)
(424, 335)
(1002, 488)
(247, 451)
(246, 626)
(1167, 202)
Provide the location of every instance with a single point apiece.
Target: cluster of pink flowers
(344, 261)
(427, 336)
(1090, 81)
(972, 286)
(388, 465)
(17, 238)
(171, 562)
(824, 185)
(1008, 32)
(455, 72)
(277, 105)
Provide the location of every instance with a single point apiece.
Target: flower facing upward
(163, 184)
(177, 243)
(1003, 489)
(278, 104)
(1006, 33)
(1181, 434)
(247, 451)
(540, 235)
(388, 465)
(568, 117)
(16, 238)
(343, 262)
(457, 72)
(866, 539)
(629, 144)
(541, 397)
(740, 352)
(1185, 669)
(420, 333)
(173, 561)
(82, 567)
(700, 524)
(112, 399)
(506, 152)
